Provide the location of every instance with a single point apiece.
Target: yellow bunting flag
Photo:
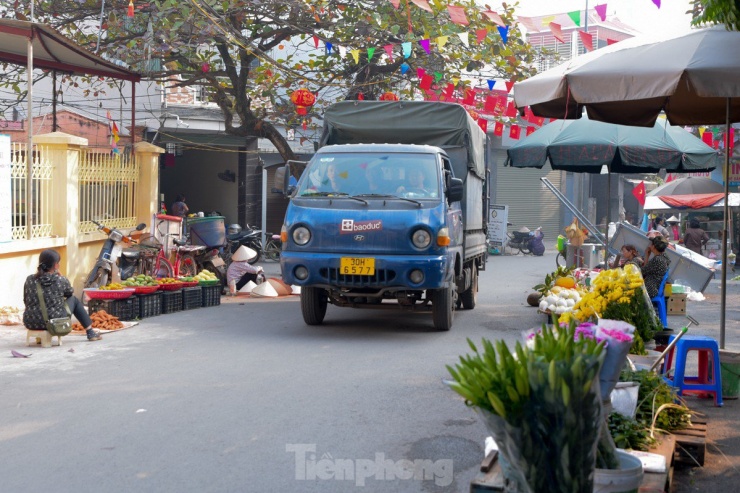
(356, 55)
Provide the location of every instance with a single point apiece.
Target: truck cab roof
(379, 148)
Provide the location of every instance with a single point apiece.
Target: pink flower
(617, 335)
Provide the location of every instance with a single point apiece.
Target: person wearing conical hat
(240, 272)
(674, 228)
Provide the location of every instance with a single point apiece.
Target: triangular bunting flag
(426, 82)
(464, 38)
(404, 67)
(395, 3)
(515, 132)
(557, 32)
(420, 72)
(455, 80)
(356, 55)
(498, 129)
(494, 17)
(601, 10)
(528, 23)
(316, 41)
(483, 124)
(575, 16)
(457, 15)
(639, 193)
(424, 43)
(610, 41)
(481, 34)
(530, 130)
(389, 51)
(342, 51)
(469, 97)
(504, 32)
(328, 47)
(547, 20)
(442, 41)
(406, 46)
(437, 76)
(422, 4)
(511, 109)
(370, 53)
(509, 85)
(491, 83)
(587, 40)
(657, 3)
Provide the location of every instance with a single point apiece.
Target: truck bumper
(391, 271)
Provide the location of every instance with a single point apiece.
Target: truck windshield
(405, 175)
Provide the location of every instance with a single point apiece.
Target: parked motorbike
(113, 255)
(527, 241)
(236, 237)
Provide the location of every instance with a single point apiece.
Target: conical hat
(524, 229)
(243, 254)
(264, 290)
(296, 289)
(672, 219)
(247, 288)
(281, 288)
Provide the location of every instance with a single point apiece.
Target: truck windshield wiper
(388, 196)
(342, 195)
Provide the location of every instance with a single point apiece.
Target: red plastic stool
(709, 379)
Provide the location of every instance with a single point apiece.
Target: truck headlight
(301, 235)
(421, 238)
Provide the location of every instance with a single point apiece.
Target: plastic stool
(709, 378)
(659, 302)
(41, 337)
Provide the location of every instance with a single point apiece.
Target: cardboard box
(676, 304)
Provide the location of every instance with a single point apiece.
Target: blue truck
(390, 212)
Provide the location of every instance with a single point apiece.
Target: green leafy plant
(629, 433)
(552, 277)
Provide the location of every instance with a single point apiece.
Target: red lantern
(388, 96)
(303, 99)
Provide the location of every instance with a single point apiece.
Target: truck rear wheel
(470, 297)
(313, 305)
(443, 308)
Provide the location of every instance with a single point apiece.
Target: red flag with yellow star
(639, 193)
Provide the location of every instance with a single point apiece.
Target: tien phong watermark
(310, 467)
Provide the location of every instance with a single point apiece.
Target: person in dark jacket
(654, 269)
(57, 291)
(179, 207)
(694, 238)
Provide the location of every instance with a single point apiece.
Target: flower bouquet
(542, 404)
(618, 294)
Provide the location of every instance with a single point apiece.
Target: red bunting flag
(511, 110)
(449, 90)
(420, 72)
(530, 130)
(514, 132)
(457, 15)
(395, 3)
(498, 129)
(423, 4)
(426, 82)
(490, 105)
(610, 41)
(708, 138)
(639, 193)
(481, 34)
(483, 124)
(389, 50)
(316, 41)
(557, 32)
(494, 17)
(509, 85)
(601, 10)
(587, 40)
(529, 23)
(469, 97)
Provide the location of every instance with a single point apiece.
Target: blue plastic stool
(709, 379)
(659, 302)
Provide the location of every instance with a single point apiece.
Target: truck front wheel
(443, 308)
(313, 305)
(470, 297)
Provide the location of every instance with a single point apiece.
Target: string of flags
(114, 137)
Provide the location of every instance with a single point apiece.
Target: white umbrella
(694, 78)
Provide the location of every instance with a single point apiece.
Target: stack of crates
(150, 305)
(192, 298)
(126, 309)
(171, 301)
(211, 295)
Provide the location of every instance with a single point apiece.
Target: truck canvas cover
(437, 124)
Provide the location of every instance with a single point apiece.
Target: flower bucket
(729, 363)
(627, 479)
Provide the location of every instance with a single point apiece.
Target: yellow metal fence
(107, 190)
(39, 200)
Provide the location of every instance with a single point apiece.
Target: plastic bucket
(627, 479)
(207, 231)
(561, 243)
(729, 363)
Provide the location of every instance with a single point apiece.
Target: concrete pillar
(63, 152)
(147, 193)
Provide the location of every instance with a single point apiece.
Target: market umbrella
(691, 185)
(694, 78)
(586, 146)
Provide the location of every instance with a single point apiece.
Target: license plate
(217, 261)
(357, 266)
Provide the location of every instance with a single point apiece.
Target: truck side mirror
(455, 190)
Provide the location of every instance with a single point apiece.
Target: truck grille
(382, 276)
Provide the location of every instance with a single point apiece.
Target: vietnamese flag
(498, 129)
(514, 132)
(469, 97)
(639, 193)
(483, 124)
(530, 130)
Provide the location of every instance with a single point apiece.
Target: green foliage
(716, 12)
(629, 433)
(638, 313)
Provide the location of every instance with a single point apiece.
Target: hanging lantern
(303, 99)
(130, 12)
(388, 96)
(473, 114)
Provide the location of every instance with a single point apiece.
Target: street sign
(498, 217)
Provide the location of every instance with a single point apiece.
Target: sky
(643, 15)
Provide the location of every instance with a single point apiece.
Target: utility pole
(29, 118)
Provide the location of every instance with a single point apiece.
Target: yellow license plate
(357, 266)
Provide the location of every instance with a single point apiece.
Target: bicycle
(158, 265)
(273, 247)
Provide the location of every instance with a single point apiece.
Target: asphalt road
(245, 397)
